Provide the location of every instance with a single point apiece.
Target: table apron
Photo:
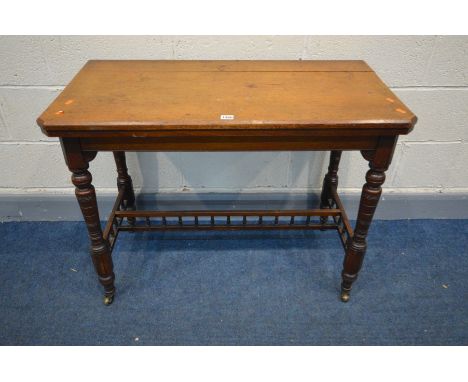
(222, 143)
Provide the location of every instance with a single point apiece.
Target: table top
(131, 96)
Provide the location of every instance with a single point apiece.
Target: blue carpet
(240, 288)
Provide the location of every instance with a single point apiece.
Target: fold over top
(137, 96)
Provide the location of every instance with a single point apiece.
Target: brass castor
(108, 299)
(345, 296)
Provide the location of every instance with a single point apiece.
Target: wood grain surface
(154, 96)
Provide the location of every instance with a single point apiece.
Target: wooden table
(226, 106)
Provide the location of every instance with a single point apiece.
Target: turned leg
(124, 181)
(379, 160)
(329, 182)
(77, 162)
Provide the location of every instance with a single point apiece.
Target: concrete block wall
(429, 73)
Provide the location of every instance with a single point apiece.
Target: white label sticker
(227, 116)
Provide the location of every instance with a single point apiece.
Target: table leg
(125, 181)
(78, 163)
(330, 181)
(379, 161)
